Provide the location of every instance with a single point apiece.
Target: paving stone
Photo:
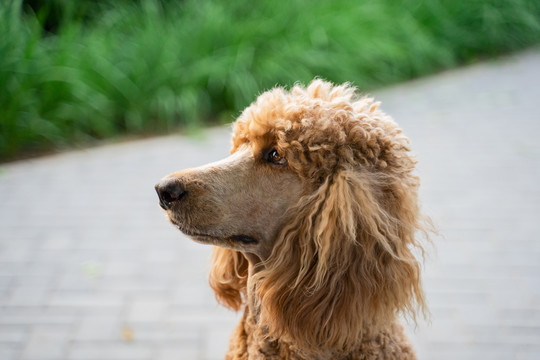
(19, 316)
(121, 268)
(9, 353)
(108, 351)
(28, 296)
(47, 343)
(216, 340)
(13, 335)
(165, 335)
(82, 299)
(98, 327)
(146, 310)
(5, 282)
(175, 353)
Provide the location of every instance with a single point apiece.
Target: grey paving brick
(153, 310)
(28, 296)
(47, 343)
(98, 327)
(175, 353)
(5, 282)
(9, 353)
(13, 335)
(216, 340)
(165, 335)
(82, 299)
(24, 316)
(122, 268)
(112, 351)
(194, 315)
(76, 280)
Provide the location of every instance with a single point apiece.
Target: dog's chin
(197, 236)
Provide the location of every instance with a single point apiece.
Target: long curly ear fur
(228, 277)
(344, 265)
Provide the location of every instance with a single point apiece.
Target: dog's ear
(228, 277)
(344, 264)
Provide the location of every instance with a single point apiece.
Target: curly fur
(340, 267)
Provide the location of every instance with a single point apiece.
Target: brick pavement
(90, 269)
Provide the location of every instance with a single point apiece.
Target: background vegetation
(72, 72)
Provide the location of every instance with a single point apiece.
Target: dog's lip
(244, 239)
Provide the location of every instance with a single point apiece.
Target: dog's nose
(169, 191)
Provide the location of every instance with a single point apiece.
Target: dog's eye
(274, 157)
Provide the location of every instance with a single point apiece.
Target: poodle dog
(313, 217)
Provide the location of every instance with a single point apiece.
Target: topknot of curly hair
(322, 128)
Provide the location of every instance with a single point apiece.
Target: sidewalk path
(91, 270)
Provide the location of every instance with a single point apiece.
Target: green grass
(155, 66)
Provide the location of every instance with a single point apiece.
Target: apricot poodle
(313, 217)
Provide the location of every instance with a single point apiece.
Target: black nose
(169, 191)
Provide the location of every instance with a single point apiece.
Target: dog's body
(313, 217)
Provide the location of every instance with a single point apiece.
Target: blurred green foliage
(75, 71)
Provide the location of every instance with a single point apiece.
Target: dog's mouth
(245, 239)
(207, 238)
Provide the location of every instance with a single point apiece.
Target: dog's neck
(253, 307)
(255, 342)
(252, 342)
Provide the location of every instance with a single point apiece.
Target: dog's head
(320, 199)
